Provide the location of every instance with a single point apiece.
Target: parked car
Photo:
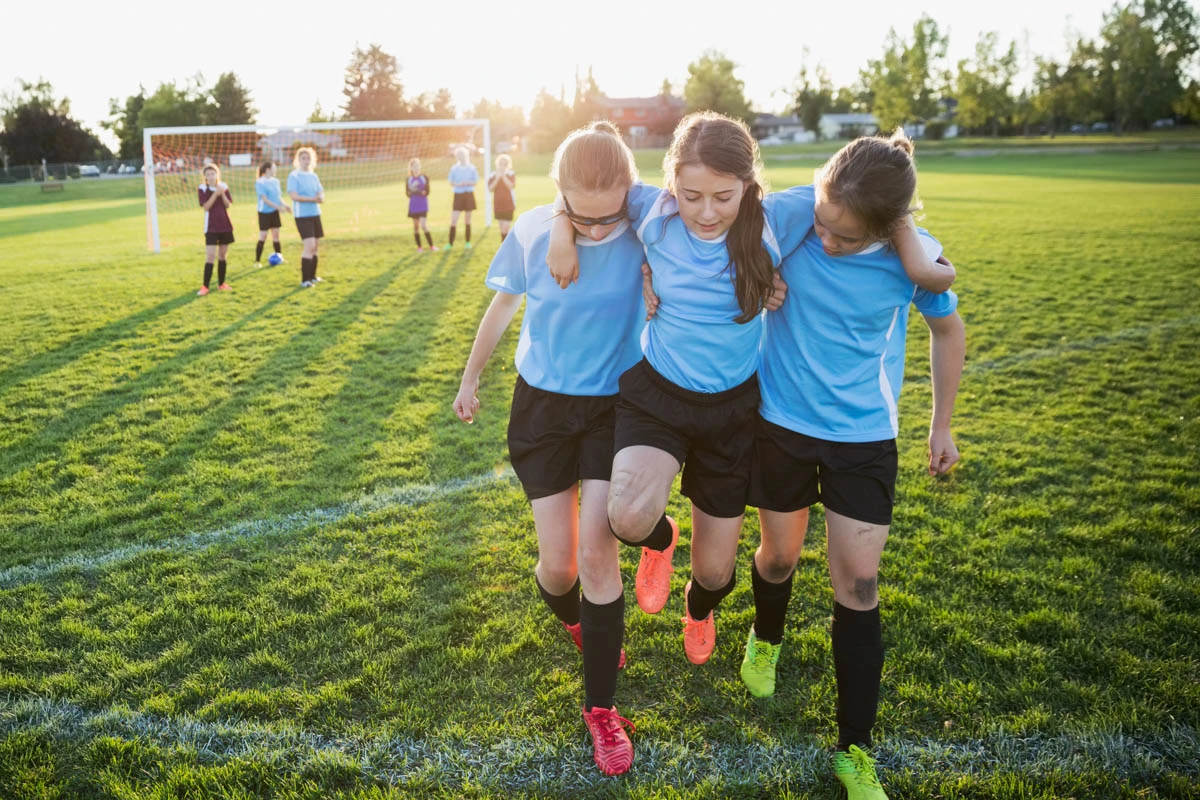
(89, 171)
(126, 169)
(1099, 127)
(1078, 128)
(1165, 122)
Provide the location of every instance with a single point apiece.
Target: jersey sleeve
(492, 181)
(928, 303)
(293, 183)
(200, 195)
(789, 217)
(507, 272)
(408, 187)
(642, 197)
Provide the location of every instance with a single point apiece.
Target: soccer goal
(363, 167)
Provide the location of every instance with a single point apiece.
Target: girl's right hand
(561, 257)
(648, 295)
(466, 404)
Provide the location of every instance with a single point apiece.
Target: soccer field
(247, 550)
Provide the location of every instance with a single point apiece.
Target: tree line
(1134, 73)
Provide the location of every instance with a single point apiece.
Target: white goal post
(350, 154)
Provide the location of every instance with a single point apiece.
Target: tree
(813, 100)
(319, 114)
(439, 105)
(1188, 103)
(172, 105)
(123, 122)
(37, 126)
(665, 89)
(551, 119)
(983, 86)
(588, 103)
(372, 86)
(905, 82)
(231, 102)
(507, 121)
(711, 85)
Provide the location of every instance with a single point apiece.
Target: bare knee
(556, 578)
(775, 566)
(859, 591)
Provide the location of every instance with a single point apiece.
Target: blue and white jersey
(577, 340)
(833, 355)
(692, 340)
(268, 188)
(305, 184)
(460, 173)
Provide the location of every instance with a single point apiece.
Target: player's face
(842, 233)
(600, 206)
(210, 177)
(708, 200)
(305, 160)
(414, 167)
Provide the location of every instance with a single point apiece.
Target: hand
(648, 295)
(466, 404)
(287, 208)
(562, 257)
(776, 300)
(223, 186)
(943, 454)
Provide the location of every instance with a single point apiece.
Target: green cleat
(856, 770)
(758, 665)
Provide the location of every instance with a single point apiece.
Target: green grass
(246, 550)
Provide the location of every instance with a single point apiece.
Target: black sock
(453, 230)
(314, 265)
(207, 273)
(258, 251)
(417, 236)
(659, 539)
(221, 272)
(278, 246)
(564, 606)
(428, 239)
(468, 226)
(858, 658)
(603, 635)
(701, 601)
(305, 269)
(770, 605)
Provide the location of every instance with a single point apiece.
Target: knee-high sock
(278, 246)
(858, 659)
(659, 538)
(770, 605)
(314, 264)
(207, 273)
(565, 606)
(305, 269)
(453, 231)
(258, 248)
(417, 236)
(603, 634)
(428, 239)
(701, 601)
(468, 231)
(221, 272)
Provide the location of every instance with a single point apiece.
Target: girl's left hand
(775, 301)
(648, 295)
(943, 454)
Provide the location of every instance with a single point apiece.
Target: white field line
(531, 762)
(418, 494)
(285, 525)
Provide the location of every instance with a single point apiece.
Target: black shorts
(464, 201)
(220, 237)
(310, 227)
(418, 214)
(792, 471)
(556, 440)
(504, 216)
(712, 435)
(268, 220)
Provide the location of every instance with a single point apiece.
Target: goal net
(363, 167)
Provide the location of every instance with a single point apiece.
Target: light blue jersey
(692, 340)
(580, 339)
(460, 173)
(268, 188)
(833, 355)
(305, 184)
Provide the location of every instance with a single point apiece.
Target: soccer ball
(275, 259)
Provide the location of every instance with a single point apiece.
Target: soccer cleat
(203, 291)
(612, 749)
(306, 284)
(225, 287)
(758, 665)
(576, 632)
(467, 245)
(856, 770)
(258, 264)
(318, 279)
(653, 583)
(449, 246)
(699, 636)
(433, 248)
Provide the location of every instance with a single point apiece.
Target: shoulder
(534, 223)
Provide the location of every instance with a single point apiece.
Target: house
(787, 128)
(847, 126)
(645, 121)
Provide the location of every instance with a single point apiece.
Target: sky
(293, 55)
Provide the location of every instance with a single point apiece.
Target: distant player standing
(463, 177)
(304, 187)
(215, 199)
(270, 203)
(502, 184)
(417, 189)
